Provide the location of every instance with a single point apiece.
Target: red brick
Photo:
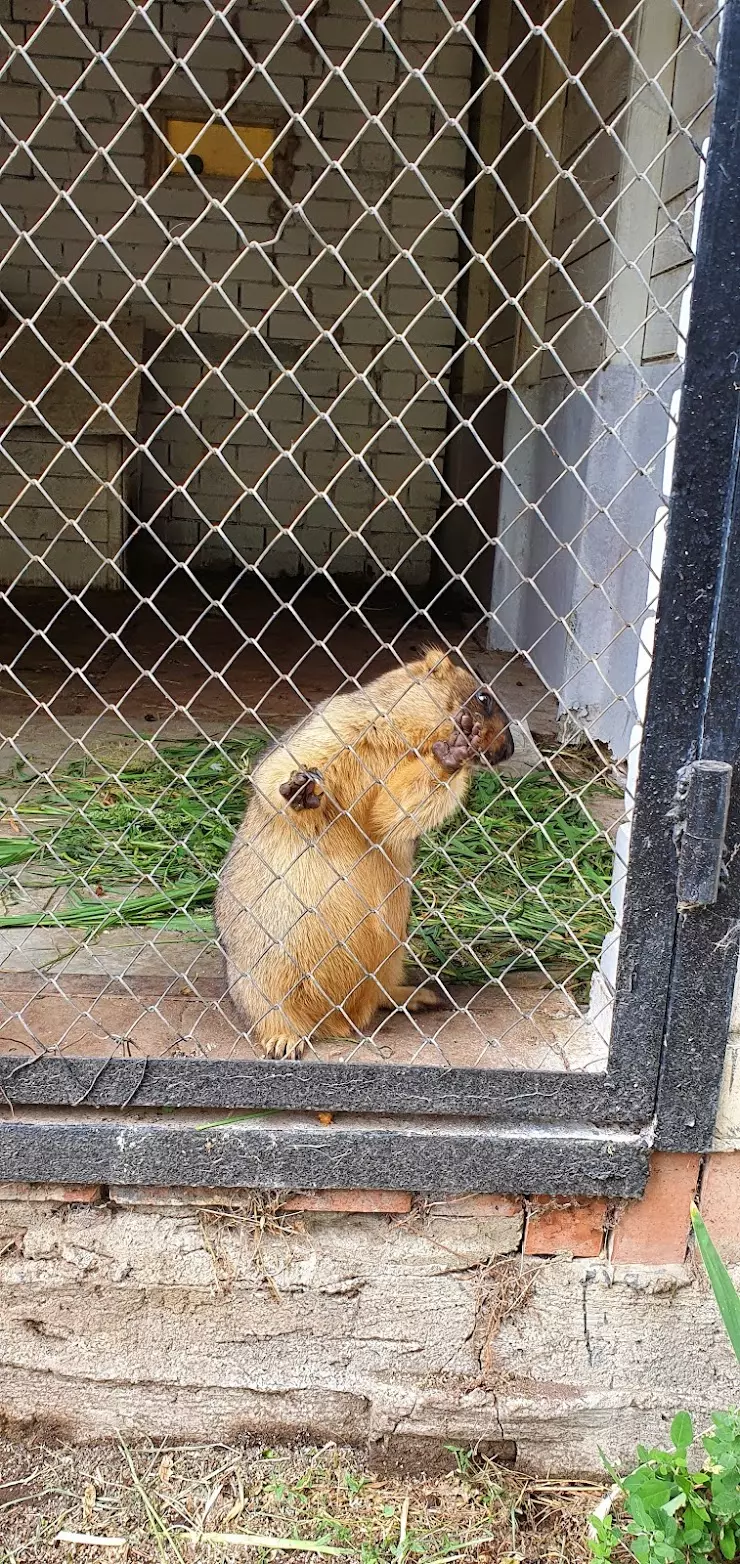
(52, 1194)
(348, 1200)
(182, 1195)
(476, 1205)
(655, 1229)
(558, 1225)
(720, 1202)
(174, 1195)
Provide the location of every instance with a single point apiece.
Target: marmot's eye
(486, 701)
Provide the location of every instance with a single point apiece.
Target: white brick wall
(299, 303)
(64, 527)
(692, 97)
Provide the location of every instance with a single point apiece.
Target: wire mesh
(332, 331)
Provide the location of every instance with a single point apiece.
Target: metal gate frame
(432, 1129)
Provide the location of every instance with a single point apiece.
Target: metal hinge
(700, 811)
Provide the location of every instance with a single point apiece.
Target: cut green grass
(15, 850)
(520, 880)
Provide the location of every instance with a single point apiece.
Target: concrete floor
(151, 992)
(128, 1007)
(172, 665)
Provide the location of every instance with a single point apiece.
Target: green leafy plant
(669, 1514)
(720, 1281)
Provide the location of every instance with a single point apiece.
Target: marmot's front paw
(284, 1046)
(464, 746)
(302, 790)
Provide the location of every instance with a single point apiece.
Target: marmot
(313, 902)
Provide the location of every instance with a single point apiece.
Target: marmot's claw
(284, 1046)
(302, 790)
(464, 746)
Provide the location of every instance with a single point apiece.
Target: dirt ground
(139, 1503)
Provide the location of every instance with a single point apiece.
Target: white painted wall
(586, 435)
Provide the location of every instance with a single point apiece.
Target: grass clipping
(519, 880)
(216, 1503)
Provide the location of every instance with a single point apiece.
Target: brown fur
(313, 903)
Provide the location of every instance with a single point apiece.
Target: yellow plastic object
(225, 151)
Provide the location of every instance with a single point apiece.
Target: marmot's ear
(436, 662)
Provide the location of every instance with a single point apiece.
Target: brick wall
(654, 1230)
(71, 489)
(549, 1329)
(259, 404)
(692, 97)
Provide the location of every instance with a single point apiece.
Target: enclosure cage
(332, 330)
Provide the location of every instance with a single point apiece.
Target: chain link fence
(332, 331)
